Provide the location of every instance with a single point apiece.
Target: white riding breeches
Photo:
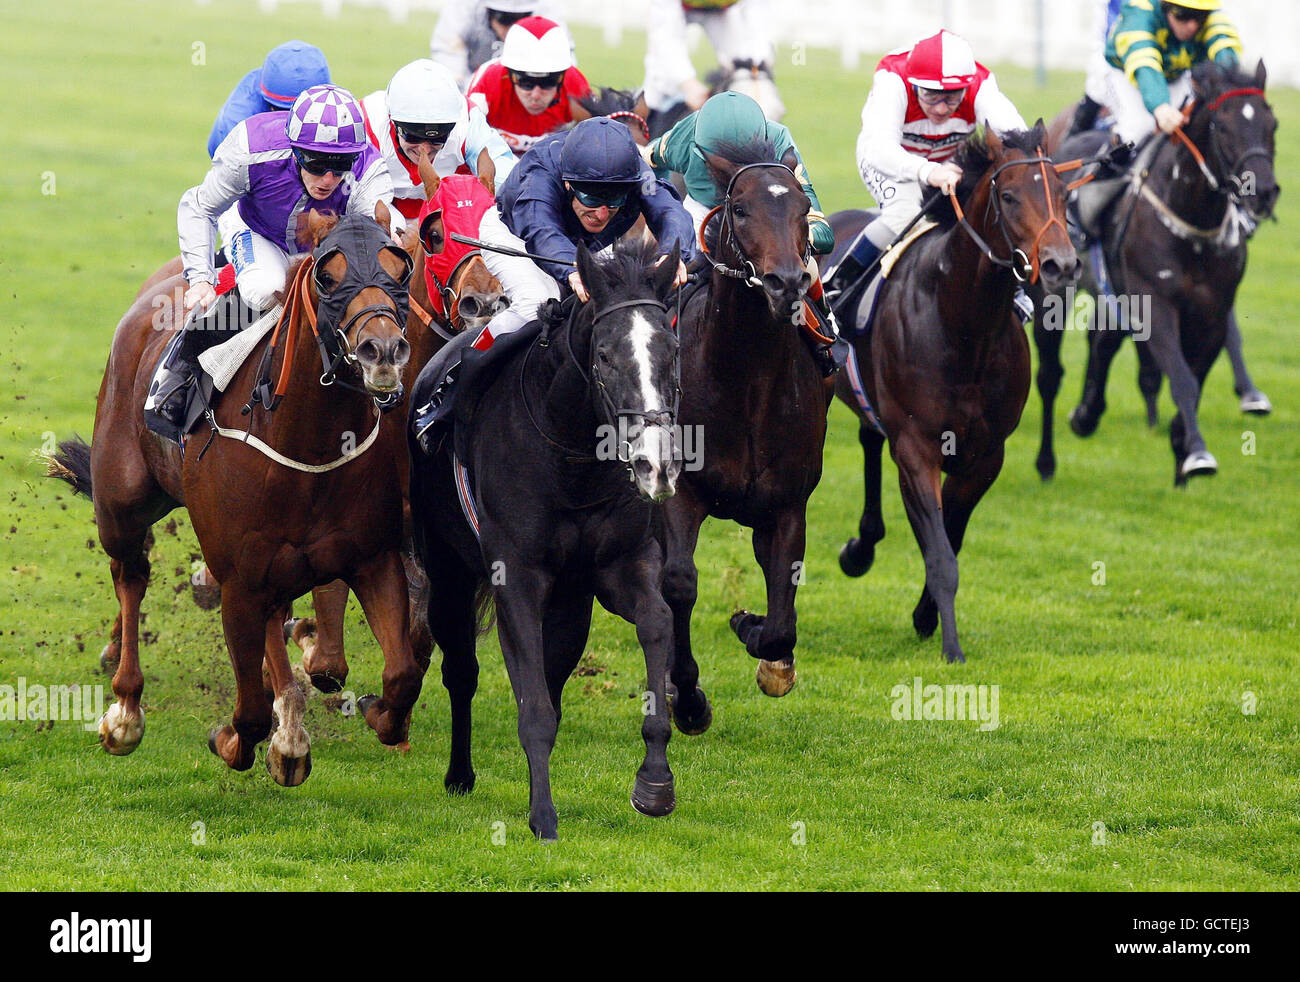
(525, 284)
(260, 264)
(1133, 121)
(899, 203)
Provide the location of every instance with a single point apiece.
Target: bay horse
(753, 393)
(556, 523)
(946, 364)
(271, 528)
(1178, 237)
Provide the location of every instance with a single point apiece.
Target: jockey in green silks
(732, 119)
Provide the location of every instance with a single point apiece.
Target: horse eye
(1008, 198)
(326, 280)
(738, 211)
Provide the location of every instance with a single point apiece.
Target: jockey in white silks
(470, 33)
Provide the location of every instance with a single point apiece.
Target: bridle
(449, 292)
(1226, 174)
(727, 233)
(1025, 267)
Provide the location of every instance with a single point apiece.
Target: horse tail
(485, 612)
(71, 463)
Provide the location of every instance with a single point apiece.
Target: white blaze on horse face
(1248, 111)
(777, 190)
(640, 335)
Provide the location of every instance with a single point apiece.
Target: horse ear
(384, 217)
(428, 176)
(1261, 75)
(640, 106)
(722, 169)
(592, 276)
(993, 141)
(1039, 133)
(791, 160)
(666, 272)
(319, 225)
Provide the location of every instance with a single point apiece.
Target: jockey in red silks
(533, 89)
(924, 104)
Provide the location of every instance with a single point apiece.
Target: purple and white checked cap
(327, 119)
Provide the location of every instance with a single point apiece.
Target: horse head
(763, 225)
(359, 287)
(635, 372)
(1234, 126)
(1020, 199)
(629, 108)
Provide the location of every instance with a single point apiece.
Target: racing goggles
(434, 133)
(610, 196)
(1186, 15)
(506, 18)
(933, 97)
(319, 164)
(529, 82)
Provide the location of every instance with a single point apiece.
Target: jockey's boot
(831, 357)
(166, 406)
(1085, 115)
(1024, 307)
(861, 254)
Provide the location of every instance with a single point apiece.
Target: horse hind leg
(1103, 345)
(252, 635)
(1149, 381)
(288, 757)
(687, 703)
(320, 638)
(449, 599)
(858, 554)
(122, 727)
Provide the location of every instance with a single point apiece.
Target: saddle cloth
(865, 309)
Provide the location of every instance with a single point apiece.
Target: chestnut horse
(270, 528)
(946, 365)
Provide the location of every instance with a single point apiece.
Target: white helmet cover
(512, 6)
(536, 46)
(425, 92)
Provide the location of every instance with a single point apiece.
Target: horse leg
(1191, 457)
(122, 727)
(450, 608)
(858, 554)
(683, 516)
(779, 549)
(288, 758)
(111, 655)
(1048, 379)
(631, 591)
(1149, 379)
(519, 628)
(1102, 348)
(249, 628)
(918, 479)
(1252, 400)
(321, 637)
(382, 591)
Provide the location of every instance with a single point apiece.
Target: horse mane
(974, 158)
(1213, 77)
(628, 269)
(603, 101)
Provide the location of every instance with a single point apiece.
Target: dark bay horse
(1177, 240)
(946, 365)
(557, 523)
(756, 402)
(271, 529)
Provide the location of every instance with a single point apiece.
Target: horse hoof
(401, 746)
(655, 800)
(212, 739)
(119, 734)
(745, 626)
(926, 622)
(288, 772)
(365, 702)
(955, 657)
(324, 682)
(458, 785)
(850, 561)
(688, 724)
(1199, 464)
(776, 678)
(1046, 470)
(110, 657)
(1256, 403)
(1081, 424)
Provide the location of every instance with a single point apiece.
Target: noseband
(1025, 267)
(1225, 173)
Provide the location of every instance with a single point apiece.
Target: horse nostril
(369, 352)
(469, 306)
(401, 352)
(773, 284)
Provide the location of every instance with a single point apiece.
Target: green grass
(1120, 704)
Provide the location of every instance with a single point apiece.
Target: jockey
(533, 89)
(731, 119)
(736, 31)
(1150, 54)
(590, 186)
(470, 32)
(274, 170)
(1085, 115)
(422, 113)
(288, 69)
(924, 105)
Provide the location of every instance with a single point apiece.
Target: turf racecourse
(1126, 756)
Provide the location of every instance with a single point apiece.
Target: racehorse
(754, 394)
(1178, 237)
(277, 508)
(556, 522)
(946, 363)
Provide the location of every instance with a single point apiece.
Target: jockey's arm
(484, 146)
(196, 216)
(374, 185)
(995, 110)
(1221, 40)
(538, 219)
(880, 143)
(666, 217)
(447, 45)
(672, 151)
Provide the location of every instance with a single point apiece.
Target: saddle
(450, 387)
(861, 301)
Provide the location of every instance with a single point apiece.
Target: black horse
(752, 390)
(1176, 239)
(534, 502)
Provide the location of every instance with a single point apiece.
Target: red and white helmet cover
(944, 61)
(536, 46)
